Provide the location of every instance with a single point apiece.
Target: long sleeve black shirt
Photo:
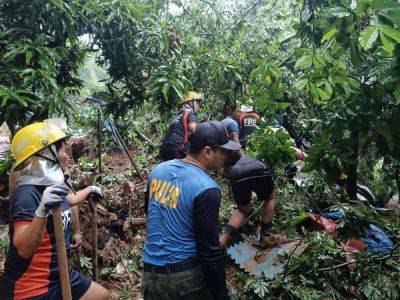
(209, 252)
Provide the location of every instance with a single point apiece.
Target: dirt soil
(120, 221)
(272, 241)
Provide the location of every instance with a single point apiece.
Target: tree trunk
(12, 128)
(352, 173)
(398, 178)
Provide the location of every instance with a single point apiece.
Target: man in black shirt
(175, 142)
(249, 175)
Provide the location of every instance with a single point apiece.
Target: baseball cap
(213, 134)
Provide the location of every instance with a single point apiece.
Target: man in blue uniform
(182, 256)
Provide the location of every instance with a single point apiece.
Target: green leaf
(353, 4)
(304, 62)
(387, 44)
(330, 34)
(368, 37)
(354, 53)
(322, 94)
(397, 94)
(315, 95)
(300, 84)
(283, 105)
(165, 90)
(391, 32)
(393, 16)
(28, 57)
(339, 12)
(161, 79)
(328, 89)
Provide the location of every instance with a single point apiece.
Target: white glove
(52, 196)
(96, 190)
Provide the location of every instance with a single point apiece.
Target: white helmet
(246, 108)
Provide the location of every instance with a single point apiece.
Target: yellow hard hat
(33, 138)
(191, 96)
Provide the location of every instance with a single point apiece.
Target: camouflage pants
(188, 285)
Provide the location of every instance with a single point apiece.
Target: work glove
(96, 190)
(52, 196)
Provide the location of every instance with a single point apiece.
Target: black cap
(213, 134)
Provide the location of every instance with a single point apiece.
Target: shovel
(265, 262)
(95, 268)
(62, 254)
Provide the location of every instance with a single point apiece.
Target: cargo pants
(188, 285)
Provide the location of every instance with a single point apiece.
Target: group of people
(184, 254)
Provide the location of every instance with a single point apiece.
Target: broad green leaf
(330, 34)
(368, 37)
(161, 79)
(283, 105)
(300, 84)
(391, 32)
(353, 4)
(304, 62)
(376, 4)
(178, 92)
(322, 94)
(28, 57)
(328, 89)
(20, 100)
(315, 94)
(339, 12)
(165, 90)
(5, 99)
(387, 44)
(393, 16)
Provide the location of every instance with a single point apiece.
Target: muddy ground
(120, 219)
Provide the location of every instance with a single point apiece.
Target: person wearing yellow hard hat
(31, 267)
(175, 142)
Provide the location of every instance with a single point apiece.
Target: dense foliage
(329, 71)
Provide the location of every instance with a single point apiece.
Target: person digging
(31, 268)
(248, 175)
(182, 256)
(175, 142)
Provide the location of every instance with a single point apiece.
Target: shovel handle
(95, 267)
(62, 254)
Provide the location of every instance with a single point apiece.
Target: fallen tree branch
(144, 137)
(377, 258)
(395, 248)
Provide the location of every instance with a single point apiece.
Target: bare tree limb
(377, 258)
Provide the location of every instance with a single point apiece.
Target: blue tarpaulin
(377, 240)
(333, 215)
